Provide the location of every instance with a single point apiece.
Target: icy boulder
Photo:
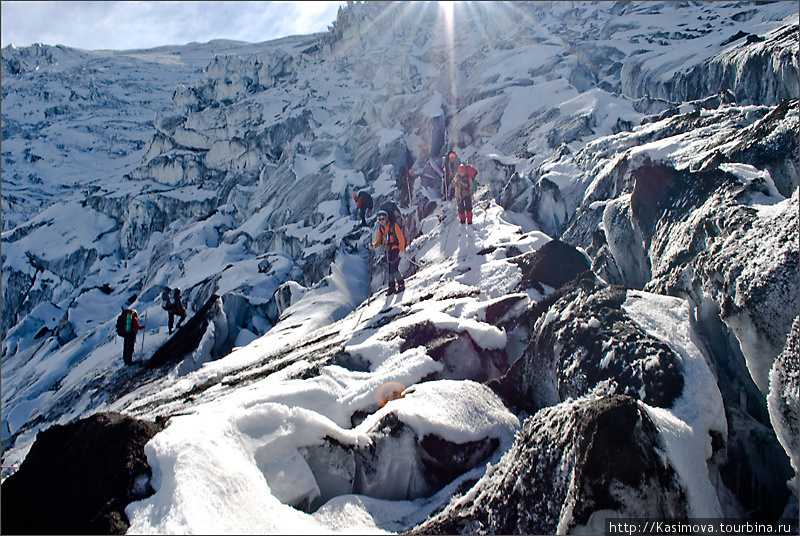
(582, 341)
(415, 445)
(728, 237)
(568, 462)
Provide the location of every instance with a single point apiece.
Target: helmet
(383, 214)
(410, 171)
(462, 168)
(452, 155)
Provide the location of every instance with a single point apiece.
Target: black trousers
(181, 314)
(127, 348)
(393, 261)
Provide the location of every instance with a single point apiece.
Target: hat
(410, 171)
(383, 214)
(452, 155)
(355, 196)
(461, 168)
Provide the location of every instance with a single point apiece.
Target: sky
(131, 25)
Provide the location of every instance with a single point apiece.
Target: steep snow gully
(614, 336)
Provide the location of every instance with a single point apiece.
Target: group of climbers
(128, 324)
(458, 183)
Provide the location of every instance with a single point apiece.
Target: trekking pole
(144, 331)
(369, 279)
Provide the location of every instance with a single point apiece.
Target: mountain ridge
(663, 164)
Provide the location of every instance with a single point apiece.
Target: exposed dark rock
(79, 477)
(567, 462)
(187, 338)
(553, 264)
(595, 345)
(767, 143)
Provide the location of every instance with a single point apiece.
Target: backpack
(166, 298)
(395, 216)
(470, 174)
(366, 199)
(125, 322)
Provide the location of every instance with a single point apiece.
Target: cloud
(131, 24)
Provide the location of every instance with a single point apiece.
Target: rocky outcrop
(200, 339)
(569, 461)
(583, 342)
(79, 477)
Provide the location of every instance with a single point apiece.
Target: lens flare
(389, 391)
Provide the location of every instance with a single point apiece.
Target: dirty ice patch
(686, 426)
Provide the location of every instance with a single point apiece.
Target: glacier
(614, 337)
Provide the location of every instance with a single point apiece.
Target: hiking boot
(391, 290)
(401, 286)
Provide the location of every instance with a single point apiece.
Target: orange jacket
(400, 243)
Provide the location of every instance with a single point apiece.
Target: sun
(447, 10)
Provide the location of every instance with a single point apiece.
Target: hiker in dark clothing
(405, 185)
(175, 307)
(450, 171)
(391, 237)
(127, 327)
(463, 186)
(363, 204)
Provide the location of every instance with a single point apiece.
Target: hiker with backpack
(464, 184)
(127, 328)
(405, 185)
(394, 214)
(363, 204)
(171, 303)
(391, 238)
(450, 170)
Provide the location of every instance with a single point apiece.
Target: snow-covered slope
(633, 258)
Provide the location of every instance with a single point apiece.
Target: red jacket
(463, 188)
